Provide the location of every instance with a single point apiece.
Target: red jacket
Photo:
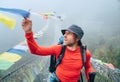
(69, 69)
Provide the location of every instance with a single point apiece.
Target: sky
(92, 15)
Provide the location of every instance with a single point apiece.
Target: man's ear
(77, 39)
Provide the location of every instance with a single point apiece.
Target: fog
(96, 17)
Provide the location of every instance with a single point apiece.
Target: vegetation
(106, 47)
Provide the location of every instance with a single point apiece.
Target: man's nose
(65, 35)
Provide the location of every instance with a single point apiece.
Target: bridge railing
(105, 73)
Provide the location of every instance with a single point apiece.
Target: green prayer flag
(4, 65)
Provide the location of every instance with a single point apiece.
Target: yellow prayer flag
(49, 13)
(11, 57)
(8, 21)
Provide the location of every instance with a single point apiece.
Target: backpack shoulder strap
(53, 62)
(83, 53)
(61, 55)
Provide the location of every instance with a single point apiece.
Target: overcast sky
(91, 15)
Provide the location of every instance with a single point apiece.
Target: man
(69, 69)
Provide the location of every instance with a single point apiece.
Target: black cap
(74, 29)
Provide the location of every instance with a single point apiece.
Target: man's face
(70, 38)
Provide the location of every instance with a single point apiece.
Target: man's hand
(27, 25)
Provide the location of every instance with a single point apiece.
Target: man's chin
(66, 44)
